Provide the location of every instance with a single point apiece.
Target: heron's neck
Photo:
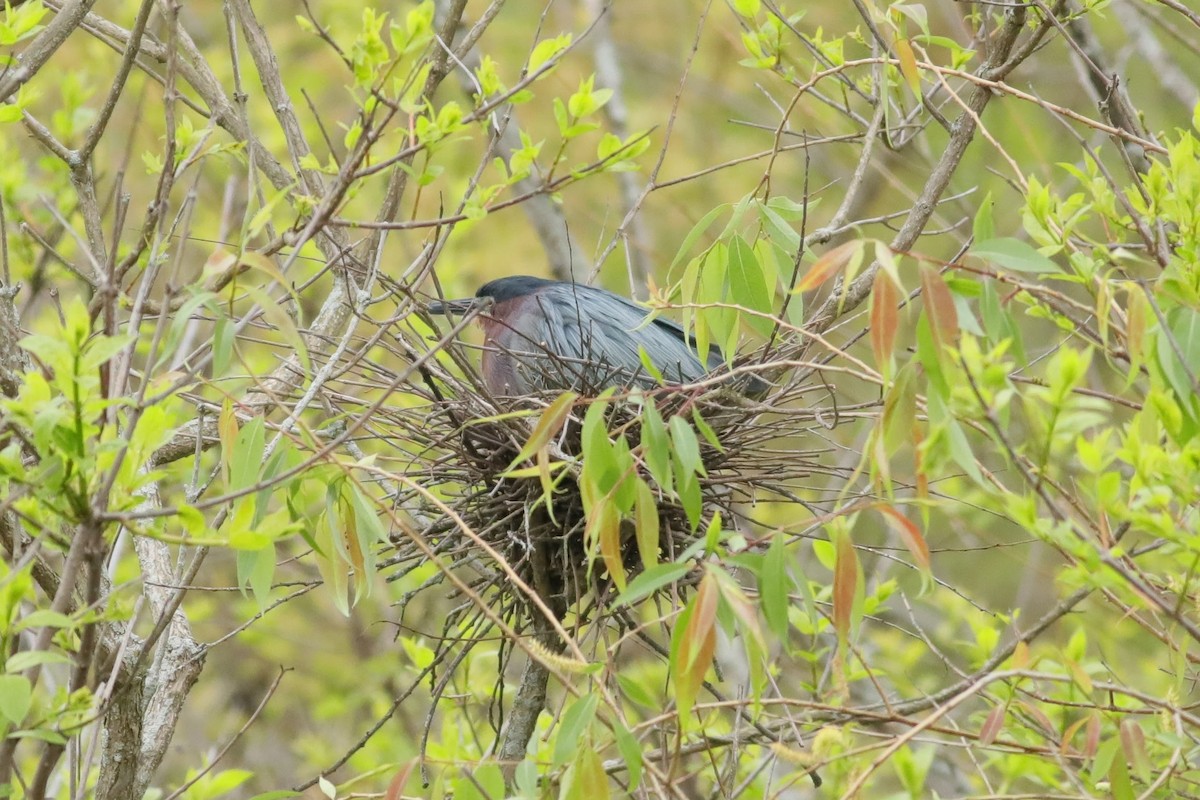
(497, 321)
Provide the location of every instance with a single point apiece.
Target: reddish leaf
(1133, 742)
(697, 643)
(939, 305)
(885, 319)
(1039, 716)
(1064, 746)
(918, 436)
(395, 788)
(1092, 743)
(354, 552)
(699, 637)
(829, 264)
(218, 261)
(992, 725)
(911, 535)
(845, 584)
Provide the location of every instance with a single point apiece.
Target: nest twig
(457, 441)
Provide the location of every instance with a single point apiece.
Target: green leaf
(600, 469)
(100, 349)
(650, 581)
(585, 778)
(782, 234)
(50, 350)
(40, 734)
(706, 430)
(696, 232)
(631, 753)
(748, 286)
(278, 316)
(547, 49)
(222, 346)
(370, 532)
(255, 569)
(773, 587)
(688, 489)
(983, 228)
(19, 662)
(714, 323)
(225, 781)
(685, 447)
(1184, 327)
(1119, 781)
(929, 355)
(900, 410)
(44, 618)
(1013, 254)
(712, 534)
(960, 451)
(490, 781)
(263, 215)
(574, 724)
(245, 461)
(16, 696)
(646, 524)
(548, 425)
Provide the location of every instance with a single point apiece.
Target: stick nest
(464, 443)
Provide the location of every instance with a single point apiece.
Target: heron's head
(493, 293)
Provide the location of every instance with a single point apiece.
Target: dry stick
(1121, 565)
(842, 716)
(87, 545)
(609, 76)
(547, 217)
(1175, 5)
(105, 694)
(225, 749)
(334, 313)
(652, 180)
(281, 103)
(110, 103)
(128, 758)
(997, 66)
(1166, 67)
(551, 229)
(43, 47)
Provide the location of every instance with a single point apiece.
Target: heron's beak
(463, 306)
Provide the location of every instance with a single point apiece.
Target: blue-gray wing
(600, 334)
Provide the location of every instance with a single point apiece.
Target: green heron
(543, 335)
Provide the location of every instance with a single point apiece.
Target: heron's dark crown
(513, 287)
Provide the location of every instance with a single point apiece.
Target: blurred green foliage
(1009, 425)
